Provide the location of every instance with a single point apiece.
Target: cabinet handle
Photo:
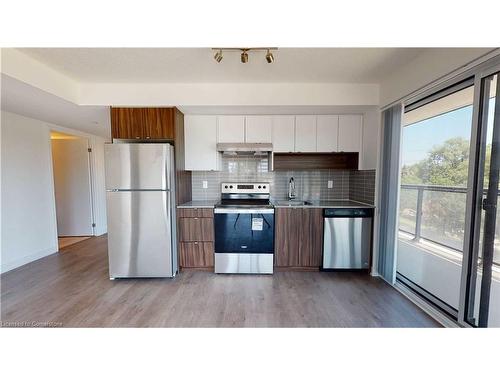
(148, 137)
(137, 137)
(196, 218)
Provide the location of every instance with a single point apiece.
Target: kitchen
(229, 184)
(245, 193)
(275, 179)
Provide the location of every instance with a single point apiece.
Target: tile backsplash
(308, 184)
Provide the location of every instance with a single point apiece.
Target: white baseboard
(27, 259)
(99, 231)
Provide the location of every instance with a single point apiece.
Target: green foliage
(446, 164)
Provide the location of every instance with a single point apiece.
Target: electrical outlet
(330, 184)
(205, 184)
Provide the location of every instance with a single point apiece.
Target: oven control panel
(245, 187)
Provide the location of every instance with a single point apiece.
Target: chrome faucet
(291, 189)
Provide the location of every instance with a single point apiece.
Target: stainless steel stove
(244, 229)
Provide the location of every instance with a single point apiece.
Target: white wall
(224, 94)
(28, 208)
(424, 69)
(28, 216)
(371, 128)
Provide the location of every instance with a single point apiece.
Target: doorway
(448, 237)
(73, 188)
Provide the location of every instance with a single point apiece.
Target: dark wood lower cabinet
(298, 237)
(196, 229)
(196, 237)
(286, 233)
(311, 239)
(196, 254)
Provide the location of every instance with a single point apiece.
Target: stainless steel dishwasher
(347, 238)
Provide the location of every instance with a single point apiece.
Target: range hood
(256, 149)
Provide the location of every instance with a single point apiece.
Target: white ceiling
(148, 65)
(26, 100)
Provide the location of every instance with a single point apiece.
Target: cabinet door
(350, 133)
(283, 133)
(159, 123)
(327, 130)
(311, 237)
(196, 229)
(127, 123)
(200, 143)
(258, 129)
(196, 254)
(305, 133)
(231, 129)
(287, 228)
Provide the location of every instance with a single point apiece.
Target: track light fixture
(244, 57)
(218, 56)
(269, 57)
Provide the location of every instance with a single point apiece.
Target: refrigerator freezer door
(137, 166)
(140, 234)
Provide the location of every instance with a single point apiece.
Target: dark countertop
(328, 204)
(315, 204)
(199, 204)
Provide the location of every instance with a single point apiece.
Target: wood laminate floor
(72, 289)
(66, 241)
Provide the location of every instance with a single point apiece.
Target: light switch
(205, 184)
(330, 184)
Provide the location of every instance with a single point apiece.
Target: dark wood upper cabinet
(143, 123)
(315, 160)
(127, 123)
(298, 237)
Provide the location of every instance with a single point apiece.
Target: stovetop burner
(246, 195)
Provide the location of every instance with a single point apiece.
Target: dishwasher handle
(348, 212)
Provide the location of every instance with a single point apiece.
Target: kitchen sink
(294, 203)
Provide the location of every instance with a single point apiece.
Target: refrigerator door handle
(168, 221)
(166, 161)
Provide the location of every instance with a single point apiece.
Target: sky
(419, 138)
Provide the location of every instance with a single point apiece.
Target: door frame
(475, 194)
(91, 173)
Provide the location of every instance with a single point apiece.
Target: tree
(446, 164)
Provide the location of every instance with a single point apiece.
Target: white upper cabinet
(231, 129)
(305, 133)
(350, 133)
(283, 133)
(258, 129)
(200, 137)
(327, 130)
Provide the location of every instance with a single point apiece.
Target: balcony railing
(437, 214)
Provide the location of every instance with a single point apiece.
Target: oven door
(244, 230)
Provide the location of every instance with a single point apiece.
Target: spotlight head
(218, 56)
(269, 57)
(244, 57)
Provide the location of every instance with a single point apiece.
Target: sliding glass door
(449, 226)
(483, 273)
(434, 183)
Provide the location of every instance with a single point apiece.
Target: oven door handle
(220, 210)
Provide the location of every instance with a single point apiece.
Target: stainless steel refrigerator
(140, 194)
